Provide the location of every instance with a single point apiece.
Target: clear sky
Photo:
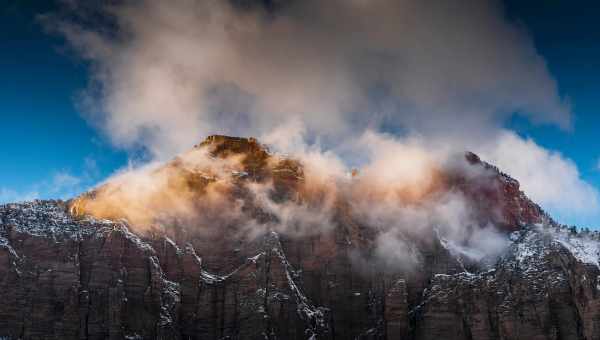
(49, 150)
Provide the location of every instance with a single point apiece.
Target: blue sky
(49, 150)
(567, 35)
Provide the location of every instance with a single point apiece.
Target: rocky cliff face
(67, 275)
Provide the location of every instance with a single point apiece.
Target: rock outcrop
(67, 275)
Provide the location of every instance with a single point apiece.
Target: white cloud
(8, 195)
(165, 74)
(546, 176)
(61, 184)
(64, 181)
(168, 72)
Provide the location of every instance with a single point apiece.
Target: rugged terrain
(74, 270)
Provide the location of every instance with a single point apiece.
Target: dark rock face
(77, 277)
(539, 290)
(499, 197)
(68, 279)
(63, 278)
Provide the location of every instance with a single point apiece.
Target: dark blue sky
(44, 140)
(567, 34)
(49, 150)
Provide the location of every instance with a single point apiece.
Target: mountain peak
(500, 192)
(282, 254)
(494, 197)
(222, 144)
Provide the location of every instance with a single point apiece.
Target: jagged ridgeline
(231, 241)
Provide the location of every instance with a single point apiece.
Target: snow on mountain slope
(67, 275)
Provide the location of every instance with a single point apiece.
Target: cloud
(64, 181)
(62, 184)
(392, 86)
(166, 73)
(399, 197)
(8, 195)
(546, 176)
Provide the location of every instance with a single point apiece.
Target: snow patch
(583, 248)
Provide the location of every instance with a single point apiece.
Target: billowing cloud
(404, 197)
(548, 178)
(166, 73)
(331, 80)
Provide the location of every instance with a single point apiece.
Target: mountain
(214, 249)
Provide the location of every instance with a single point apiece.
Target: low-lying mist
(376, 100)
(405, 196)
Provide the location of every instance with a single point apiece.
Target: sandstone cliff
(67, 275)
